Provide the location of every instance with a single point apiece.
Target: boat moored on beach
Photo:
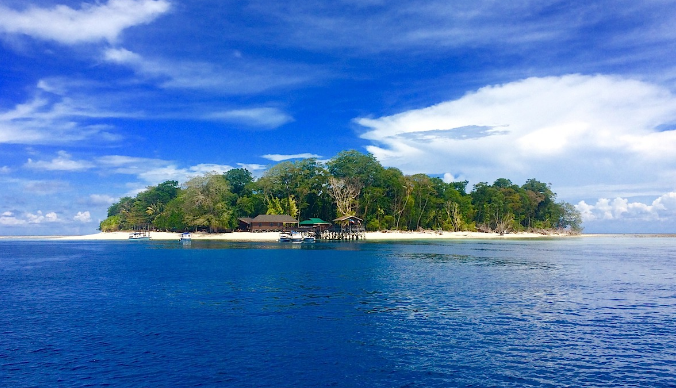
(139, 236)
(186, 238)
(296, 237)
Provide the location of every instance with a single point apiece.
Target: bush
(110, 224)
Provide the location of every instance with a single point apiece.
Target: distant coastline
(273, 236)
(370, 236)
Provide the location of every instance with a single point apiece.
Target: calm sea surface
(587, 312)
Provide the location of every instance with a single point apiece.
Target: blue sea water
(579, 312)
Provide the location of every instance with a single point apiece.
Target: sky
(101, 99)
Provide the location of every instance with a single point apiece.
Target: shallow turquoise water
(572, 312)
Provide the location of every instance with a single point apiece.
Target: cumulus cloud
(662, 208)
(9, 219)
(63, 162)
(255, 117)
(569, 130)
(83, 217)
(280, 157)
(90, 23)
(39, 218)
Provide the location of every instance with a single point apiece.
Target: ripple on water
(538, 314)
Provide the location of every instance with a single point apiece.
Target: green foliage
(286, 205)
(110, 224)
(239, 180)
(172, 217)
(354, 164)
(304, 180)
(205, 203)
(351, 182)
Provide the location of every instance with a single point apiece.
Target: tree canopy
(351, 183)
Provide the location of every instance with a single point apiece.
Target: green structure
(315, 222)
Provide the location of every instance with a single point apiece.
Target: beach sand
(273, 236)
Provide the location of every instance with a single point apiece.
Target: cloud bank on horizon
(584, 132)
(103, 98)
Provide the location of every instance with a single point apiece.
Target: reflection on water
(467, 313)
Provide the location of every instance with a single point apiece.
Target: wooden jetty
(346, 228)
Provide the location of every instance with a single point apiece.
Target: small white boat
(309, 237)
(296, 238)
(138, 236)
(186, 238)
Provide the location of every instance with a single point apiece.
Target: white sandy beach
(273, 236)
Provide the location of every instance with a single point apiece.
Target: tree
(422, 193)
(364, 168)
(110, 224)
(286, 205)
(352, 183)
(238, 179)
(172, 217)
(344, 192)
(304, 180)
(569, 218)
(205, 202)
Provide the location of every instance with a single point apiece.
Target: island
(352, 190)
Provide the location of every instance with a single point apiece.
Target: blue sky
(100, 99)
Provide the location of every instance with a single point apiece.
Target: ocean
(571, 312)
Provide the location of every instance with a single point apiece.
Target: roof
(346, 218)
(275, 218)
(315, 221)
(246, 220)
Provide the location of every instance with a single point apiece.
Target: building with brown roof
(273, 223)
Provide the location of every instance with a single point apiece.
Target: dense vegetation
(351, 183)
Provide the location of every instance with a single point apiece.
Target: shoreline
(370, 236)
(274, 236)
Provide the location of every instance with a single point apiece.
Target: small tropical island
(350, 188)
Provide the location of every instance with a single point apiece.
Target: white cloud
(5, 170)
(280, 157)
(45, 187)
(101, 200)
(235, 77)
(61, 163)
(662, 208)
(439, 25)
(154, 171)
(90, 23)
(252, 167)
(39, 218)
(171, 172)
(83, 217)
(121, 164)
(8, 218)
(255, 117)
(54, 120)
(569, 130)
(448, 178)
